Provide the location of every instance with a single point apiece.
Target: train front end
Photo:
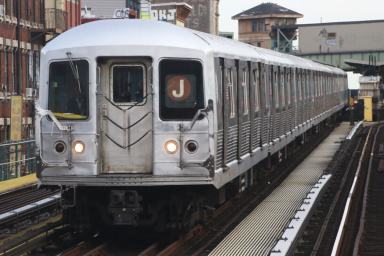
(123, 127)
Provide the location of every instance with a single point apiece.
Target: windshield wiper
(75, 70)
(45, 112)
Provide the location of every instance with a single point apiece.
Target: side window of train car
(267, 86)
(304, 85)
(276, 87)
(128, 83)
(309, 87)
(282, 87)
(288, 85)
(245, 91)
(298, 82)
(231, 98)
(256, 84)
(181, 89)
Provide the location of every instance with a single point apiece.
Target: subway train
(143, 123)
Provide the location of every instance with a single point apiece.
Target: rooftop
(267, 10)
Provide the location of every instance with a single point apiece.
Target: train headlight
(171, 146)
(78, 146)
(191, 146)
(60, 147)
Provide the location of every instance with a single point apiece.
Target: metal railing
(17, 158)
(56, 19)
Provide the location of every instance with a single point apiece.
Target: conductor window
(128, 84)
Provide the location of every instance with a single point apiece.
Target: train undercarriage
(172, 208)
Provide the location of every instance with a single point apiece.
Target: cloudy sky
(313, 10)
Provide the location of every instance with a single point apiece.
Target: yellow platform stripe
(12, 184)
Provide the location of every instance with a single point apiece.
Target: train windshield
(181, 89)
(68, 89)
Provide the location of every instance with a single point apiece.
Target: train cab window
(245, 91)
(69, 89)
(128, 83)
(181, 89)
(256, 84)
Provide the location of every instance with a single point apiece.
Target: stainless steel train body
(128, 103)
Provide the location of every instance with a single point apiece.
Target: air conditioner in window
(29, 92)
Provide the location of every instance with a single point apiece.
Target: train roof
(129, 32)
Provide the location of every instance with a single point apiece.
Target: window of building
(30, 69)
(133, 4)
(258, 25)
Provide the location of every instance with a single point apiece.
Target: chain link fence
(17, 159)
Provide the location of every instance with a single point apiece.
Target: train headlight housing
(60, 147)
(171, 147)
(191, 146)
(78, 147)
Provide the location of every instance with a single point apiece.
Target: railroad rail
(203, 239)
(320, 232)
(27, 214)
(365, 207)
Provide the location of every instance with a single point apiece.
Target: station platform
(262, 230)
(12, 184)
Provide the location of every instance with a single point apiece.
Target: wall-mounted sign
(121, 13)
(164, 14)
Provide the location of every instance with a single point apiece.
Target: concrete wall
(358, 37)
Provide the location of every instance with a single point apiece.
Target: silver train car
(143, 122)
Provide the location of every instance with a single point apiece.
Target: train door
(290, 115)
(125, 120)
(255, 105)
(275, 106)
(243, 108)
(266, 79)
(230, 111)
(221, 136)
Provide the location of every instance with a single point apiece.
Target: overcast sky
(313, 10)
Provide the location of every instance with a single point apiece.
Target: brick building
(23, 28)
